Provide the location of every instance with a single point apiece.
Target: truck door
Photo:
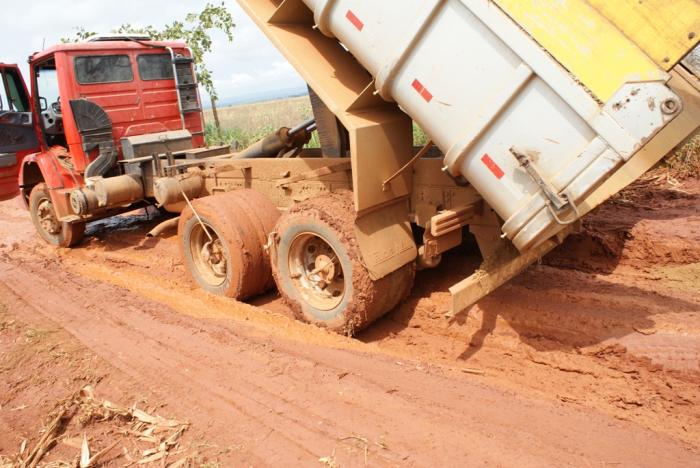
(17, 136)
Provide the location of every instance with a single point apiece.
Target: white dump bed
(509, 117)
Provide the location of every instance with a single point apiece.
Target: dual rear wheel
(319, 271)
(223, 243)
(312, 254)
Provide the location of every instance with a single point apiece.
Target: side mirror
(43, 104)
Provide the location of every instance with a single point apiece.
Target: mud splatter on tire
(240, 220)
(332, 218)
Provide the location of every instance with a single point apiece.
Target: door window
(47, 84)
(48, 98)
(18, 99)
(13, 96)
(5, 104)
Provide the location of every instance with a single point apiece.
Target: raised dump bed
(530, 135)
(546, 108)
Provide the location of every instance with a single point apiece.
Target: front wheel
(318, 267)
(47, 224)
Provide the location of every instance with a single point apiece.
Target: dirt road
(585, 360)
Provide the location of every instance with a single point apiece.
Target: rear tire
(319, 271)
(53, 231)
(235, 264)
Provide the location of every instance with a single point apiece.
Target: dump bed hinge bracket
(559, 202)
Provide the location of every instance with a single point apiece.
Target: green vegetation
(419, 136)
(243, 125)
(239, 138)
(236, 137)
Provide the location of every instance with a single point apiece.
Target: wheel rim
(47, 217)
(208, 254)
(316, 271)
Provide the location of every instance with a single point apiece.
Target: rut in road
(290, 402)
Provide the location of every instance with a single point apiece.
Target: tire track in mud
(624, 385)
(304, 399)
(140, 347)
(592, 340)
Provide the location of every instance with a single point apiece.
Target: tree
(81, 34)
(195, 32)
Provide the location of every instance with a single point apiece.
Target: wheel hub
(325, 269)
(316, 271)
(208, 254)
(47, 217)
(212, 254)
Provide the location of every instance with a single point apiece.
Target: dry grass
(685, 162)
(251, 118)
(244, 124)
(668, 174)
(158, 438)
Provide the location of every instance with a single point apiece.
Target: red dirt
(586, 359)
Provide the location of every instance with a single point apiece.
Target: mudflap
(385, 239)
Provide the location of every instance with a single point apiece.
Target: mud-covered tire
(331, 219)
(61, 234)
(241, 220)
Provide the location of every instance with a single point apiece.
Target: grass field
(244, 124)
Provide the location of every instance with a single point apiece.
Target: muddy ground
(591, 358)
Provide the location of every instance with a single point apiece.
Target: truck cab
(89, 101)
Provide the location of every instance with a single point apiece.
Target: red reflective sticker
(422, 90)
(417, 86)
(354, 20)
(493, 167)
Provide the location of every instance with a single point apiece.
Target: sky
(248, 68)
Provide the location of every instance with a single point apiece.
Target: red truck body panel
(135, 107)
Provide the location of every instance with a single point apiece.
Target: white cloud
(248, 65)
(280, 69)
(240, 79)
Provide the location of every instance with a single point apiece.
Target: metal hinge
(554, 201)
(526, 163)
